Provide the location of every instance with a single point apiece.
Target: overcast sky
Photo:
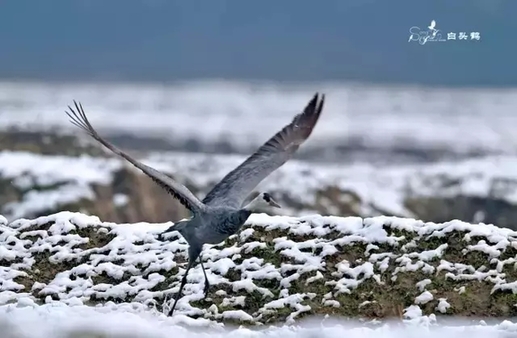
(291, 40)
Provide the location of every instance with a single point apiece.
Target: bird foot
(167, 305)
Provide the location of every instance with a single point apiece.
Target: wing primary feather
(180, 192)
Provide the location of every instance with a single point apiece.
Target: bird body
(212, 226)
(222, 213)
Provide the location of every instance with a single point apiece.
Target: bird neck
(254, 205)
(242, 216)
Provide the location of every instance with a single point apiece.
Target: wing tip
(321, 103)
(306, 121)
(316, 103)
(314, 108)
(313, 102)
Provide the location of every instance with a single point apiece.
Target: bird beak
(274, 204)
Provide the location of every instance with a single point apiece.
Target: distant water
(360, 122)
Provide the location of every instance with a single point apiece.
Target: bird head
(269, 200)
(262, 201)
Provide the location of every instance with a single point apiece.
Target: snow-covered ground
(246, 114)
(135, 244)
(52, 321)
(379, 188)
(26, 170)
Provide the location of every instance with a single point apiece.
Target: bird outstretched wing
(232, 190)
(176, 189)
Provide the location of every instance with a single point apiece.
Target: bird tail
(175, 227)
(171, 228)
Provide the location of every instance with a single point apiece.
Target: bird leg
(207, 284)
(193, 254)
(182, 285)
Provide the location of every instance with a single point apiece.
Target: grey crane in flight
(221, 213)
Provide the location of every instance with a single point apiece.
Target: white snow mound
(276, 269)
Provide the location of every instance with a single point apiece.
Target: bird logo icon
(432, 28)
